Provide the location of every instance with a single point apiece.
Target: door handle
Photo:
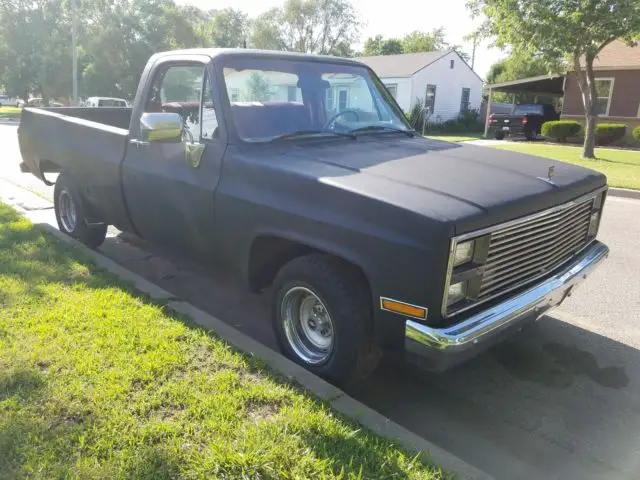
(139, 143)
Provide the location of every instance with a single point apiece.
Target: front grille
(528, 249)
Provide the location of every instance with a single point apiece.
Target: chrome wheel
(307, 325)
(67, 211)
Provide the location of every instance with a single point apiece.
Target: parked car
(524, 120)
(7, 101)
(39, 102)
(368, 237)
(93, 102)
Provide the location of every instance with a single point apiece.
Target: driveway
(559, 400)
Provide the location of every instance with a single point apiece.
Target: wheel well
(270, 253)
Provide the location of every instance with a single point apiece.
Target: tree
(516, 67)
(379, 46)
(258, 88)
(310, 26)
(573, 30)
(35, 48)
(226, 28)
(417, 41)
(413, 42)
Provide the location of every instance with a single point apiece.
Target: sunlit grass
(622, 167)
(98, 382)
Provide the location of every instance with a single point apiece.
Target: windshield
(523, 109)
(272, 97)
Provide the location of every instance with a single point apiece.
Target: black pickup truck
(524, 120)
(302, 174)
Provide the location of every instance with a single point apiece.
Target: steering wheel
(343, 112)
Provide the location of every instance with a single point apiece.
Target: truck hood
(470, 186)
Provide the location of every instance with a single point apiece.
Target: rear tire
(530, 134)
(72, 215)
(498, 135)
(322, 318)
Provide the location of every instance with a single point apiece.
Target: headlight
(596, 213)
(457, 292)
(463, 253)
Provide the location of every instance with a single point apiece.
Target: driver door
(169, 187)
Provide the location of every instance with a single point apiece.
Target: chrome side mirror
(161, 127)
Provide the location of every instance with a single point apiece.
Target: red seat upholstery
(256, 120)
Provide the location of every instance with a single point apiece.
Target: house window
(331, 99)
(451, 64)
(292, 93)
(393, 89)
(464, 101)
(343, 99)
(604, 89)
(430, 98)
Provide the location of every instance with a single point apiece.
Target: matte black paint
(387, 203)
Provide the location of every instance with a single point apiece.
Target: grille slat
(523, 271)
(524, 251)
(533, 246)
(518, 262)
(541, 231)
(552, 217)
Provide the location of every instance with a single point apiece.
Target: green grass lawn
(10, 112)
(622, 167)
(456, 138)
(98, 382)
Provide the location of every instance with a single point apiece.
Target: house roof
(617, 56)
(541, 85)
(402, 65)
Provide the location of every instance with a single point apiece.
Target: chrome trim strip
(426, 310)
(537, 300)
(501, 226)
(549, 211)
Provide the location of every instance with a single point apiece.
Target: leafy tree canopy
(574, 31)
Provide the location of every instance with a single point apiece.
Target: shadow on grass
(38, 260)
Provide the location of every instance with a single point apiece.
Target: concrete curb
(624, 193)
(338, 399)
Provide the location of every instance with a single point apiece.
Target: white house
(443, 80)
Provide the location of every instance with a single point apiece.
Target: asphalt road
(559, 400)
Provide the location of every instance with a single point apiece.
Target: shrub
(636, 133)
(560, 129)
(416, 115)
(607, 133)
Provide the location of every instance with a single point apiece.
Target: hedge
(560, 129)
(636, 133)
(607, 133)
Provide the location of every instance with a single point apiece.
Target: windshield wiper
(409, 133)
(302, 133)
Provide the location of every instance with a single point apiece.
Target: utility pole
(74, 52)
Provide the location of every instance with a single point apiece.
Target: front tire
(322, 318)
(72, 215)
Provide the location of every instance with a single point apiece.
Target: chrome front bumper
(440, 348)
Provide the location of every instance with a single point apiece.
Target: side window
(209, 120)
(178, 89)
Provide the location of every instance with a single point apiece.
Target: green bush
(636, 133)
(560, 129)
(607, 133)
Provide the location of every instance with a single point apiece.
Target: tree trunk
(586, 82)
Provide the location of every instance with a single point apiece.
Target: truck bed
(91, 142)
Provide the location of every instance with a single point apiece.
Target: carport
(547, 85)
